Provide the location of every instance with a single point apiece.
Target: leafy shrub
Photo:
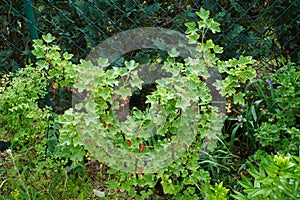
(35, 168)
(21, 119)
(270, 118)
(276, 177)
(183, 175)
(282, 131)
(32, 176)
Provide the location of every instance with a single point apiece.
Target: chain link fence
(264, 29)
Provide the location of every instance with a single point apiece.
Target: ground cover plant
(256, 154)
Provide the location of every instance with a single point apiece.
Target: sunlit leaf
(203, 14)
(173, 53)
(48, 38)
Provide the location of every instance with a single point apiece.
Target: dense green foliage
(52, 152)
(277, 177)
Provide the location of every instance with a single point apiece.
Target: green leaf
(233, 62)
(209, 44)
(67, 56)
(245, 182)
(168, 187)
(54, 55)
(201, 24)
(105, 92)
(91, 117)
(253, 111)
(38, 52)
(135, 81)
(183, 103)
(192, 28)
(214, 27)
(126, 186)
(239, 98)
(220, 86)
(124, 92)
(239, 196)
(245, 60)
(77, 153)
(116, 71)
(38, 43)
(149, 180)
(193, 38)
(103, 62)
(258, 191)
(218, 49)
(80, 85)
(131, 65)
(256, 174)
(208, 22)
(48, 38)
(55, 47)
(203, 14)
(173, 53)
(146, 195)
(112, 184)
(91, 107)
(42, 65)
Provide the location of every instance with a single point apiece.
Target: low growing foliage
(276, 177)
(270, 117)
(21, 119)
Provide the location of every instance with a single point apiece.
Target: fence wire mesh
(264, 29)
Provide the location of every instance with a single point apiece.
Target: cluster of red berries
(141, 147)
(54, 89)
(124, 101)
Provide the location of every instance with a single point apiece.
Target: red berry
(142, 148)
(203, 79)
(196, 108)
(141, 170)
(126, 101)
(129, 142)
(207, 139)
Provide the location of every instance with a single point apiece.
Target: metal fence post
(31, 19)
